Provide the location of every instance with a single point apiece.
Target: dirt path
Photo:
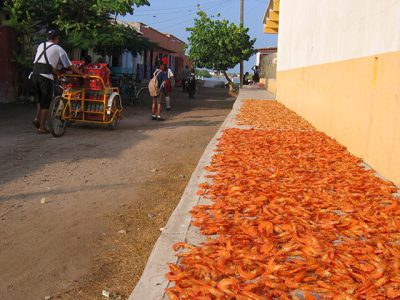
(81, 213)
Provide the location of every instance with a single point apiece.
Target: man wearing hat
(48, 55)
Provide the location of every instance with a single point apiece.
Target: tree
(218, 45)
(82, 23)
(203, 73)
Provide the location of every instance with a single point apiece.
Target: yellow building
(339, 68)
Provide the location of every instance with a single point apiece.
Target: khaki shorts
(157, 99)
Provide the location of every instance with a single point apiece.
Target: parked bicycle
(131, 92)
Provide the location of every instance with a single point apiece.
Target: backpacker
(154, 89)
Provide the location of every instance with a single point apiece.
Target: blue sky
(173, 16)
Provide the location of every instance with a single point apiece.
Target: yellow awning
(271, 17)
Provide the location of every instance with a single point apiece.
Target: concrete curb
(153, 283)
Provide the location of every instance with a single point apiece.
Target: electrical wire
(162, 11)
(179, 21)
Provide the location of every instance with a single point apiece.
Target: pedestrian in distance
(186, 73)
(157, 91)
(246, 79)
(48, 55)
(168, 88)
(164, 60)
(191, 84)
(256, 76)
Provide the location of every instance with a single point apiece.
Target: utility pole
(241, 23)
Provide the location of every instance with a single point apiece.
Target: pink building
(168, 45)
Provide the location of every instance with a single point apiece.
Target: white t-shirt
(170, 74)
(55, 55)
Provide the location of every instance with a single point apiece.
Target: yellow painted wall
(355, 101)
(271, 85)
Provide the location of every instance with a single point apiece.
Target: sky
(174, 16)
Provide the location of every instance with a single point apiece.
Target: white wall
(313, 32)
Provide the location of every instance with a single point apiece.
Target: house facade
(168, 45)
(266, 59)
(142, 63)
(339, 67)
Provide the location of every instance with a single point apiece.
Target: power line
(149, 11)
(179, 21)
(192, 19)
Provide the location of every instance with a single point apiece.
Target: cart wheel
(58, 126)
(116, 107)
(144, 97)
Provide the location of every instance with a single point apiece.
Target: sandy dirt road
(81, 213)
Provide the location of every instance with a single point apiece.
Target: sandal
(36, 123)
(43, 131)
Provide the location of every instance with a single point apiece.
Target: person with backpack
(157, 90)
(48, 55)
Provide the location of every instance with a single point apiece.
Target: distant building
(339, 67)
(142, 64)
(266, 60)
(168, 45)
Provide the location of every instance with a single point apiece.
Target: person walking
(246, 79)
(161, 76)
(168, 88)
(256, 76)
(186, 73)
(48, 55)
(191, 84)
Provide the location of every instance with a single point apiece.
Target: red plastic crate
(72, 81)
(100, 70)
(94, 94)
(78, 63)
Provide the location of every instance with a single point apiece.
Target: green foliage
(202, 73)
(217, 44)
(82, 23)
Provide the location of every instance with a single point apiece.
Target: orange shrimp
(181, 245)
(308, 296)
(246, 295)
(229, 286)
(171, 295)
(246, 275)
(365, 267)
(392, 291)
(175, 277)
(266, 227)
(287, 248)
(380, 268)
(213, 291)
(344, 296)
(324, 285)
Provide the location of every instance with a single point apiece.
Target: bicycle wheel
(58, 126)
(127, 94)
(144, 97)
(115, 115)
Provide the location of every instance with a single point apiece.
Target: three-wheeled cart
(89, 100)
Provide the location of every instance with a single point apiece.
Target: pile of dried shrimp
(293, 216)
(268, 114)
